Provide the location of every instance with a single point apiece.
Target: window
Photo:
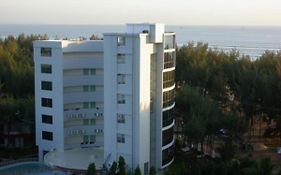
(92, 139)
(93, 71)
(92, 88)
(92, 104)
(87, 88)
(168, 79)
(47, 102)
(120, 138)
(89, 121)
(167, 155)
(168, 117)
(121, 99)
(86, 105)
(47, 135)
(169, 60)
(85, 121)
(46, 68)
(121, 40)
(169, 41)
(85, 71)
(121, 78)
(120, 118)
(168, 98)
(85, 139)
(46, 85)
(92, 121)
(89, 139)
(89, 71)
(167, 136)
(47, 119)
(120, 58)
(46, 52)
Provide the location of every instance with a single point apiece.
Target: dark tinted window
(47, 135)
(46, 52)
(46, 85)
(47, 119)
(47, 102)
(46, 68)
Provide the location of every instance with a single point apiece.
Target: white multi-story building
(116, 94)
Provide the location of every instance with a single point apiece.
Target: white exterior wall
(68, 55)
(136, 149)
(56, 95)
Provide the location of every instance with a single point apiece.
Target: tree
(121, 166)
(113, 168)
(152, 171)
(91, 169)
(94, 37)
(137, 171)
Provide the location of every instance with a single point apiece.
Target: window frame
(46, 69)
(47, 135)
(46, 121)
(47, 85)
(46, 52)
(47, 102)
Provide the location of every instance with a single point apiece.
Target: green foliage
(219, 91)
(17, 81)
(121, 166)
(113, 169)
(152, 171)
(91, 169)
(233, 80)
(137, 171)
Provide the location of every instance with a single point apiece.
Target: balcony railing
(79, 113)
(83, 130)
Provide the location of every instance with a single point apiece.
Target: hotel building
(106, 98)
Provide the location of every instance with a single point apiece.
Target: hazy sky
(182, 12)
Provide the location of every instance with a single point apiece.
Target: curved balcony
(169, 41)
(167, 117)
(169, 60)
(170, 88)
(168, 79)
(168, 137)
(168, 98)
(168, 126)
(167, 156)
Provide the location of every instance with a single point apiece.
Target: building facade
(117, 93)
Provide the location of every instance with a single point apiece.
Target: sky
(172, 12)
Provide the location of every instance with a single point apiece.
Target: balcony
(77, 97)
(82, 80)
(83, 130)
(167, 117)
(167, 156)
(169, 41)
(83, 114)
(167, 137)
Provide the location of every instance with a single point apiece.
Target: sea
(248, 40)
